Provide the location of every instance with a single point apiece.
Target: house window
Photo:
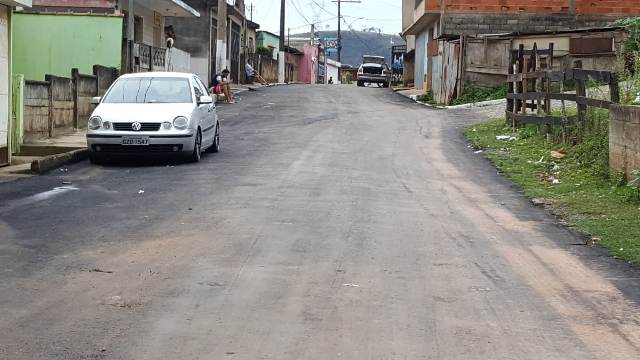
(137, 28)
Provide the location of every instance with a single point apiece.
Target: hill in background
(358, 43)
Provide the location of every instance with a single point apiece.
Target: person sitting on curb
(221, 85)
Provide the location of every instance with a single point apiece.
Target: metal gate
(235, 52)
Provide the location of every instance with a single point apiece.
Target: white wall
(332, 71)
(179, 61)
(4, 76)
(200, 67)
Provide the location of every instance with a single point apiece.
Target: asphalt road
(337, 223)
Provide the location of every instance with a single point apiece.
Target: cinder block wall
(542, 6)
(624, 138)
(466, 23)
(471, 17)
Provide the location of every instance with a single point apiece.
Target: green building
(63, 42)
(268, 40)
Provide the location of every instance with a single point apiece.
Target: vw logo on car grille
(136, 126)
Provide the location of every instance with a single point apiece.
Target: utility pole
(131, 34)
(339, 37)
(312, 36)
(288, 37)
(281, 56)
(251, 12)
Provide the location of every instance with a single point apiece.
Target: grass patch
(426, 98)
(587, 196)
(474, 94)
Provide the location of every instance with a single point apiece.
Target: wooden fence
(530, 89)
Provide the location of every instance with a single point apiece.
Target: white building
(6, 7)
(333, 71)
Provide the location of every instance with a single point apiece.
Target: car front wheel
(216, 141)
(196, 155)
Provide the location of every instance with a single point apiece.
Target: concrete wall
(77, 42)
(624, 138)
(36, 108)
(180, 61)
(61, 103)
(4, 84)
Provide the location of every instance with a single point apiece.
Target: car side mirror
(205, 100)
(96, 100)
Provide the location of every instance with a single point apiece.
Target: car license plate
(135, 140)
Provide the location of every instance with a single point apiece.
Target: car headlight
(180, 122)
(167, 125)
(95, 122)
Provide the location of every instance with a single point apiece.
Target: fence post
(519, 70)
(510, 87)
(50, 124)
(547, 101)
(580, 92)
(75, 74)
(614, 88)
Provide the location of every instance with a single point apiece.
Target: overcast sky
(384, 14)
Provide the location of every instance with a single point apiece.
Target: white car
(162, 113)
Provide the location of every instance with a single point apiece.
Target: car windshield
(149, 90)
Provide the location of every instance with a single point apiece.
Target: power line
(357, 36)
(315, 23)
(322, 8)
(293, 2)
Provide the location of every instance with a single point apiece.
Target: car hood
(142, 112)
(373, 60)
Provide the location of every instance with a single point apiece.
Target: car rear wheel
(360, 83)
(196, 155)
(216, 141)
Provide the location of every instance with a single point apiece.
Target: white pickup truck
(374, 70)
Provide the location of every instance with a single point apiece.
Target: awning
(25, 3)
(177, 8)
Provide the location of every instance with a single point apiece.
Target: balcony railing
(150, 58)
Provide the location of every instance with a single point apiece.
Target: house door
(4, 85)
(235, 52)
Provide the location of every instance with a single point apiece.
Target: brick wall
(108, 4)
(468, 23)
(600, 7)
(624, 138)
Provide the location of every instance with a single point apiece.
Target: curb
(50, 162)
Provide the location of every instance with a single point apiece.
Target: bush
(264, 51)
(474, 94)
(426, 98)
